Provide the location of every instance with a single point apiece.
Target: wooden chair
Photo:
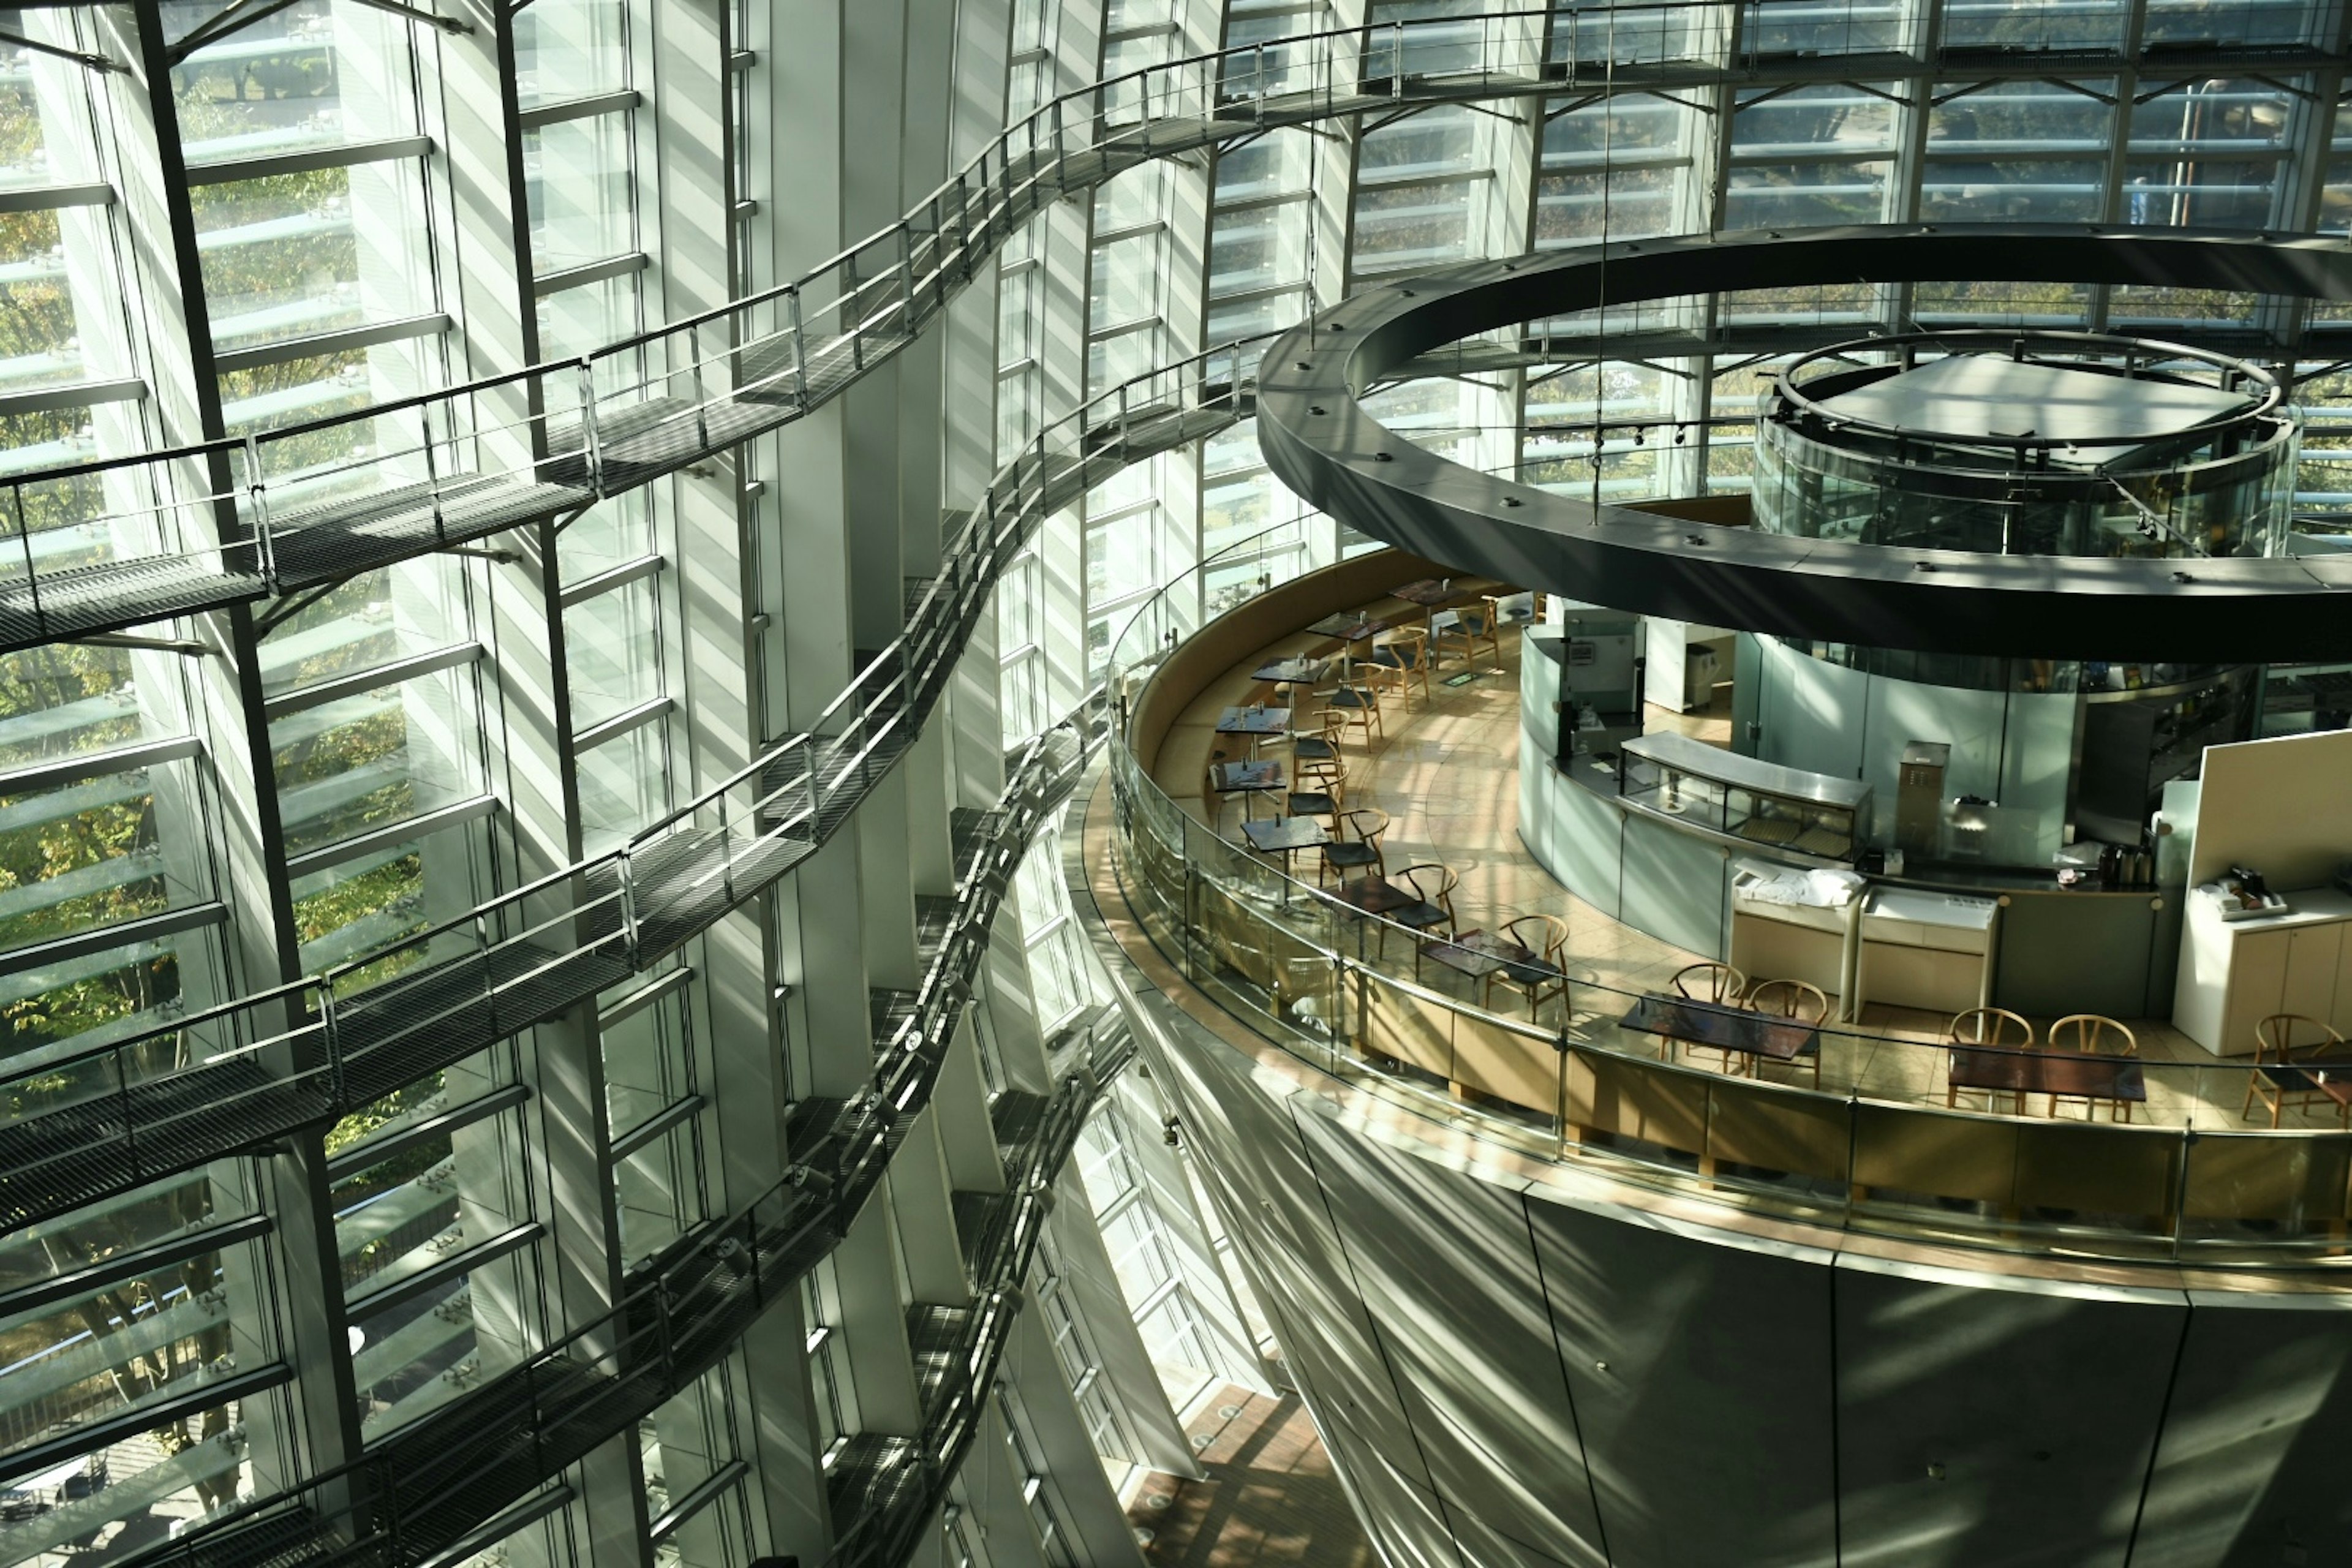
(1991, 1026)
(1464, 629)
(2095, 1034)
(1318, 789)
(1800, 1000)
(1367, 823)
(1318, 745)
(1707, 982)
(1358, 708)
(1711, 982)
(1546, 936)
(1402, 658)
(1431, 886)
(2277, 1078)
(1513, 609)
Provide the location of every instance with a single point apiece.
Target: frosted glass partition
(2015, 749)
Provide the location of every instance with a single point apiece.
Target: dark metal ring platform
(1319, 438)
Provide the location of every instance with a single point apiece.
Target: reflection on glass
(359, 763)
(578, 177)
(613, 644)
(567, 49)
(317, 73)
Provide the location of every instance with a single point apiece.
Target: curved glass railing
(1881, 1140)
(85, 1125)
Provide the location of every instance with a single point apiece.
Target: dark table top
(1232, 778)
(1478, 954)
(1253, 721)
(1372, 895)
(1281, 834)
(1428, 590)
(1288, 671)
(2080, 1074)
(1348, 626)
(2330, 1076)
(1723, 1029)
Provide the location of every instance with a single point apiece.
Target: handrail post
(1396, 62)
(432, 474)
(590, 447)
(331, 1035)
(624, 873)
(130, 1132)
(1061, 151)
(1259, 118)
(265, 548)
(906, 278)
(852, 321)
(702, 405)
(799, 343)
(25, 541)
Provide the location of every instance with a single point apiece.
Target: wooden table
(1719, 1027)
(1429, 593)
(1245, 779)
(2061, 1075)
(1253, 721)
(1349, 625)
(1477, 955)
(1256, 723)
(1286, 836)
(2330, 1076)
(1372, 896)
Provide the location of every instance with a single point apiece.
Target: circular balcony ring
(2229, 610)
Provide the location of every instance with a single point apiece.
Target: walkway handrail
(2187, 1179)
(103, 1121)
(429, 1485)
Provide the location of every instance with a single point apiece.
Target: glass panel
(40, 345)
(613, 643)
(91, 854)
(578, 176)
(317, 73)
(293, 255)
(574, 321)
(347, 767)
(570, 49)
(623, 785)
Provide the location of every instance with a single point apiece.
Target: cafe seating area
(1411, 938)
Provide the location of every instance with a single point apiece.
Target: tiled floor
(1270, 1497)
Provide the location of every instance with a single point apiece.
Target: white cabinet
(1925, 950)
(2235, 974)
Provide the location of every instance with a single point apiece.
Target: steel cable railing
(112, 542)
(103, 1121)
(431, 1484)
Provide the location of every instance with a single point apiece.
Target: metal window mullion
(310, 160)
(376, 1149)
(392, 673)
(605, 582)
(43, 776)
(318, 345)
(329, 856)
(543, 115)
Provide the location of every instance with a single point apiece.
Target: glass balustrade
(1864, 1129)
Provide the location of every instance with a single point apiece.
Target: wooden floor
(1270, 1497)
(1446, 773)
